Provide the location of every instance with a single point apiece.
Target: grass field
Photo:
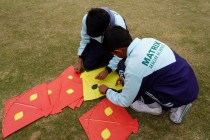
(39, 39)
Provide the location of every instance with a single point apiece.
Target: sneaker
(178, 114)
(139, 106)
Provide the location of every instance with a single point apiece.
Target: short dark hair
(116, 37)
(97, 22)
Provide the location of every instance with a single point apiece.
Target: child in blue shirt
(91, 53)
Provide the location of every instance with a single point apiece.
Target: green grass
(39, 39)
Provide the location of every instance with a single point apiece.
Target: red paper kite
(71, 88)
(38, 98)
(18, 116)
(42, 100)
(108, 121)
(25, 109)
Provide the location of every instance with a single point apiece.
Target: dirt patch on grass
(35, 135)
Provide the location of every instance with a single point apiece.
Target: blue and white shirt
(85, 38)
(151, 64)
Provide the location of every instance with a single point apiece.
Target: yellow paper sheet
(90, 84)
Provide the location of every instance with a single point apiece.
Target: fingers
(97, 77)
(103, 89)
(76, 69)
(117, 82)
(100, 76)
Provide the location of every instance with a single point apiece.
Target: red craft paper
(117, 130)
(71, 72)
(76, 103)
(79, 103)
(99, 119)
(70, 92)
(73, 105)
(71, 81)
(84, 120)
(9, 102)
(54, 90)
(24, 115)
(37, 97)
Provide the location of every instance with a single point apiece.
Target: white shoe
(178, 114)
(139, 106)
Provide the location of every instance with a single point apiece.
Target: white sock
(154, 105)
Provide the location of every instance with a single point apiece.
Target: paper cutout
(90, 84)
(107, 121)
(105, 134)
(33, 97)
(18, 115)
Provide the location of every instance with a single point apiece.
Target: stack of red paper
(104, 121)
(42, 100)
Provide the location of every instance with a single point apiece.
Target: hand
(102, 75)
(103, 89)
(78, 67)
(120, 80)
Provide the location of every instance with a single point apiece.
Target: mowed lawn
(39, 39)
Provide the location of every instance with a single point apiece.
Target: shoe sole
(184, 113)
(146, 112)
(186, 110)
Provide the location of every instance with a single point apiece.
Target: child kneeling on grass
(91, 53)
(155, 76)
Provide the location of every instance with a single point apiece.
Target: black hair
(116, 37)
(97, 22)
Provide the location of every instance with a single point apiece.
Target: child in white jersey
(155, 76)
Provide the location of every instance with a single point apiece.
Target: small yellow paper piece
(90, 84)
(70, 77)
(18, 115)
(108, 111)
(33, 97)
(70, 91)
(49, 92)
(105, 134)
